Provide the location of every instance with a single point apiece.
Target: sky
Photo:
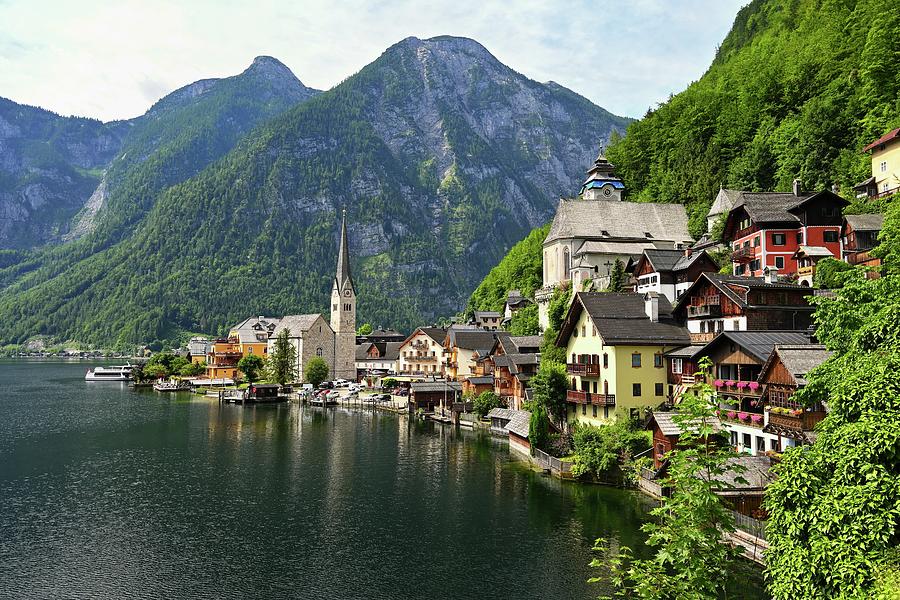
(112, 59)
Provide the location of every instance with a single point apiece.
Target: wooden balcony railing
(806, 271)
(743, 255)
(705, 310)
(805, 421)
(579, 397)
(582, 369)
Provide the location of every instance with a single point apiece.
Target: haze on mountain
(443, 157)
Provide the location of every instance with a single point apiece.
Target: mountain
(56, 173)
(443, 157)
(796, 89)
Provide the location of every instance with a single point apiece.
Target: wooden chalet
(717, 303)
(859, 234)
(428, 395)
(782, 375)
(668, 271)
(518, 427)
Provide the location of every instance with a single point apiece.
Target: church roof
(297, 324)
(619, 221)
(343, 263)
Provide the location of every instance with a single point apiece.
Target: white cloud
(112, 60)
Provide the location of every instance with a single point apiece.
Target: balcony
(702, 338)
(744, 255)
(705, 310)
(805, 421)
(579, 397)
(583, 370)
(862, 257)
(740, 389)
(420, 358)
(806, 271)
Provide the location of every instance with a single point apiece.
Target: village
(630, 349)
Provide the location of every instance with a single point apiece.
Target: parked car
(333, 395)
(354, 388)
(384, 398)
(341, 383)
(326, 385)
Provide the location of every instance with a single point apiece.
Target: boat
(115, 373)
(172, 386)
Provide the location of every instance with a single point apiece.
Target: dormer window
(604, 233)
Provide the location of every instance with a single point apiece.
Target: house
(310, 336)
(666, 431)
(716, 303)
(616, 344)
(885, 179)
(590, 233)
(198, 347)
(250, 336)
(377, 358)
(681, 370)
(422, 353)
(765, 229)
(461, 348)
(515, 302)
(500, 418)
(738, 358)
(670, 272)
(514, 360)
(380, 335)
(782, 375)
(518, 428)
(429, 395)
(806, 258)
(488, 320)
(859, 235)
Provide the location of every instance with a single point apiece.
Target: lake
(108, 492)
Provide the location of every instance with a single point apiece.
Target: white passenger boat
(116, 373)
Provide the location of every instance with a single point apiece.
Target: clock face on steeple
(347, 293)
(607, 191)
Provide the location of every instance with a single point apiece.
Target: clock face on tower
(347, 293)
(607, 191)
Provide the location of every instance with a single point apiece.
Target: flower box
(756, 419)
(754, 385)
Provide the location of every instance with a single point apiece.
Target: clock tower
(343, 312)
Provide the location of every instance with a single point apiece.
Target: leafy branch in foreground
(691, 558)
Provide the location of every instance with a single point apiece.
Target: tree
(155, 370)
(316, 371)
(282, 363)
(485, 402)
(192, 369)
(550, 385)
(525, 321)
(250, 366)
(600, 449)
(833, 528)
(691, 559)
(364, 329)
(830, 273)
(617, 277)
(538, 427)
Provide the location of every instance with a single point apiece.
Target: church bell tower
(343, 312)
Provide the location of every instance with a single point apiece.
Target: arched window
(319, 351)
(567, 262)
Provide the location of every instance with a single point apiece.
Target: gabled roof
(668, 425)
(758, 344)
(524, 343)
(725, 199)
(799, 360)
(621, 247)
(813, 252)
(687, 352)
(777, 207)
(870, 222)
(362, 351)
(501, 413)
(622, 319)
(890, 135)
(470, 339)
(297, 324)
(249, 330)
(483, 314)
(588, 219)
(722, 283)
(665, 260)
(435, 386)
(480, 379)
(520, 423)
(438, 334)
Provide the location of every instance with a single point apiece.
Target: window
(779, 262)
(799, 237)
(636, 359)
(584, 409)
(773, 444)
(583, 331)
(778, 239)
(605, 361)
(756, 242)
(884, 166)
(658, 360)
(746, 441)
(635, 389)
(659, 389)
(760, 444)
(594, 410)
(734, 438)
(319, 352)
(676, 366)
(830, 236)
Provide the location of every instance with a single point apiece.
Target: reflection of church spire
(343, 262)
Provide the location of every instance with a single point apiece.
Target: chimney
(688, 251)
(796, 187)
(261, 318)
(651, 306)
(770, 275)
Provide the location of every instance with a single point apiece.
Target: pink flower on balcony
(756, 419)
(741, 384)
(731, 414)
(729, 383)
(754, 385)
(718, 383)
(744, 416)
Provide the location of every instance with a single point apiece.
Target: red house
(765, 229)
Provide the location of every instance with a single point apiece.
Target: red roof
(883, 139)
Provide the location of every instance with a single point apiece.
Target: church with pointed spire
(343, 311)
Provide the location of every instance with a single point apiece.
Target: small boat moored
(172, 386)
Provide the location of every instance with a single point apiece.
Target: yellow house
(885, 177)
(614, 354)
(460, 348)
(250, 336)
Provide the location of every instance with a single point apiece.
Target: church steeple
(342, 278)
(601, 182)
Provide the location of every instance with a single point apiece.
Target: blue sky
(112, 59)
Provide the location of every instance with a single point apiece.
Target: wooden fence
(551, 462)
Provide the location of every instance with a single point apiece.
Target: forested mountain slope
(442, 156)
(797, 88)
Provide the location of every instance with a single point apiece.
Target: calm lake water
(110, 493)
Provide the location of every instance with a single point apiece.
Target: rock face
(442, 156)
(53, 169)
